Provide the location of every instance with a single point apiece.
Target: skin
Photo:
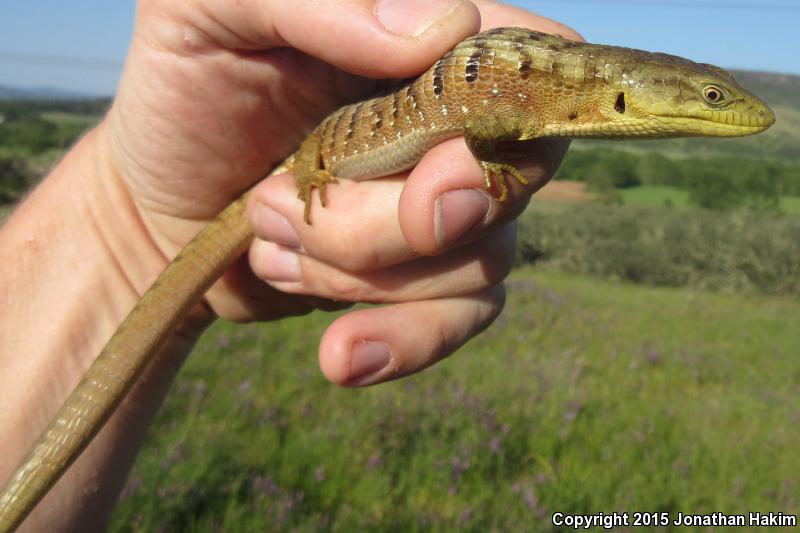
(213, 95)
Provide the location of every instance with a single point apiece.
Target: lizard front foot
(495, 174)
(306, 183)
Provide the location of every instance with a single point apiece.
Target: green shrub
(740, 250)
(14, 177)
(725, 185)
(35, 134)
(719, 182)
(601, 169)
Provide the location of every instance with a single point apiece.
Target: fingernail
(270, 225)
(457, 212)
(368, 359)
(277, 263)
(413, 17)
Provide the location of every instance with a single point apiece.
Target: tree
(724, 184)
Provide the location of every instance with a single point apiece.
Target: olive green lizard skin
(505, 84)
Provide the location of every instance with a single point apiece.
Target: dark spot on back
(354, 116)
(395, 106)
(438, 81)
(569, 45)
(411, 95)
(471, 73)
(518, 42)
(336, 125)
(474, 61)
(524, 65)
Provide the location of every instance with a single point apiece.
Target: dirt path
(564, 191)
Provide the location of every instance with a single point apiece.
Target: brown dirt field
(564, 191)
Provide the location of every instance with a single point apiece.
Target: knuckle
(340, 286)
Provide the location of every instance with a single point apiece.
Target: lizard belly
(390, 158)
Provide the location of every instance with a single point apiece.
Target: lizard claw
(306, 183)
(495, 174)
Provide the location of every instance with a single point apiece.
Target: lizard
(502, 85)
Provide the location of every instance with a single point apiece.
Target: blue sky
(58, 44)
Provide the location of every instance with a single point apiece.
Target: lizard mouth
(723, 123)
(683, 126)
(711, 128)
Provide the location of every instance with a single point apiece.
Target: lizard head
(644, 94)
(682, 98)
(675, 97)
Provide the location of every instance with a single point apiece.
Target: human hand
(215, 94)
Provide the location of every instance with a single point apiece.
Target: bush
(705, 249)
(720, 182)
(657, 169)
(14, 178)
(601, 169)
(728, 185)
(35, 135)
(29, 127)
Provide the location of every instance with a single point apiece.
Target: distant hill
(40, 93)
(777, 89)
(780, 142)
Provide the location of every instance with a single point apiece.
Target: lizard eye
(713, 94)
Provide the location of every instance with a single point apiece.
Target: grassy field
(655, 196)
(660, 196)
(84, 120)
(585, 396)
(790, 205)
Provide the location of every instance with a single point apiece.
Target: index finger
(378, 39)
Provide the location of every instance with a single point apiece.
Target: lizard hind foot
(494, 178)
(306, 183)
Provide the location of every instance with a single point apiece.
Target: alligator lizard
(504, 84)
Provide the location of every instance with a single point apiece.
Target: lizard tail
(162, 308)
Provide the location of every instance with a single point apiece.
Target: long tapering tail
(162, 308)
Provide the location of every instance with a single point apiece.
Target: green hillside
(777, 89)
